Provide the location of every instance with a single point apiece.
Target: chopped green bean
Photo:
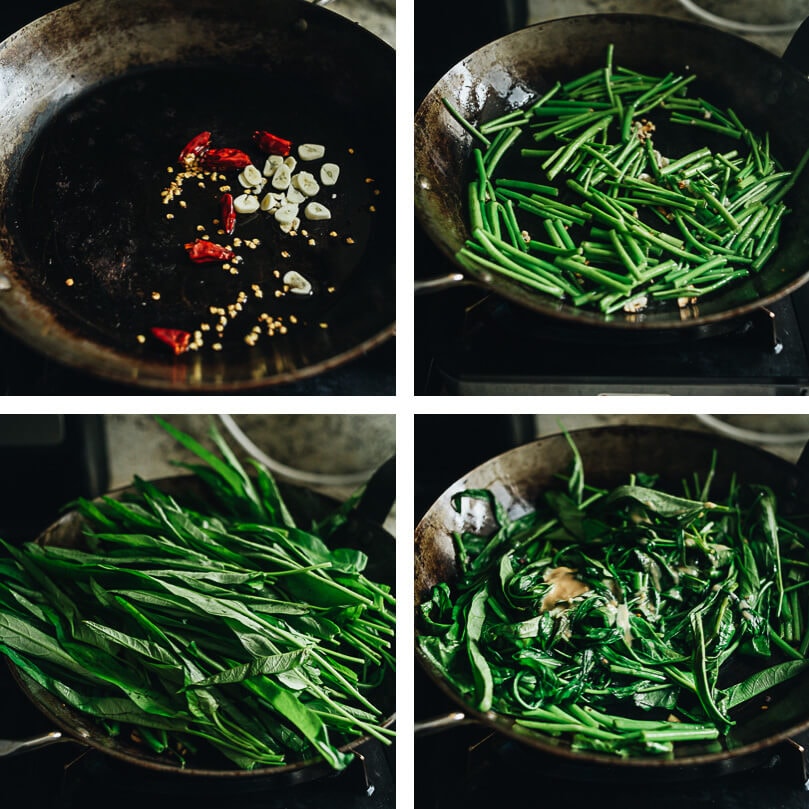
(715, 212)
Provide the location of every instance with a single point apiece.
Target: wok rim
(501, 723)
(565, 312)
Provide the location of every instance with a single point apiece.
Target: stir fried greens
(223, 625)
(625, 620)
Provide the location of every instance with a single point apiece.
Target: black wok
(769, 93)
(363, 530)
(99, 98)
(518, 478)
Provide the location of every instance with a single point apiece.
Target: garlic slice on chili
(286, 213)
(246, 203)
(329, 172)
(250, 176)
(282, 177)
(271, 164)
(315, 211)
(306, 183)
(311, 151)
(297, 283)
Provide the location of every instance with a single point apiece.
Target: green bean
(545, 206)
(685, 160)
(557, 162)
(471, 260)
(603, 276)
(493, 216)
(722, 129)
(566, 124)
(549, 190)
(508, 119)
(550, 249)
(499, 148)
(714, 203)
(498, 253)
(470, 128)
(475, 212)
(620, 248)
(512, 226)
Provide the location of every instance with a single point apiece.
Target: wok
(363, 530)
(100, 96)
(769, 93)
(518, 477)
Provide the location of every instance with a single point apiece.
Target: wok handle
(439, 283)
(803, 461)
(11, 747)
(441, 723)
(797, 52)
(379, 494)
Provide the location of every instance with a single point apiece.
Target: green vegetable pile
(222, 629)
(624, 621)
(606, 221)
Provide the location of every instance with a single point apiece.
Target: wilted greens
(624, 621)
(216, 624)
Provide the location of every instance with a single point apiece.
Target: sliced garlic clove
(281, 178)
(291, 162)
(294, 195)
(297, 283)
(311, 151)
(306, 183)
(316, 211)
(288, 227)
(250, 176)
(286, 213)
(246, 203)
(271, 164)
(271, 202)
(329, 172)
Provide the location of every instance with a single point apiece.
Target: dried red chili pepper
(201, 251)
(225, 158)
(272, 144)
(196, 147)
(228, 213)
(176, 338)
